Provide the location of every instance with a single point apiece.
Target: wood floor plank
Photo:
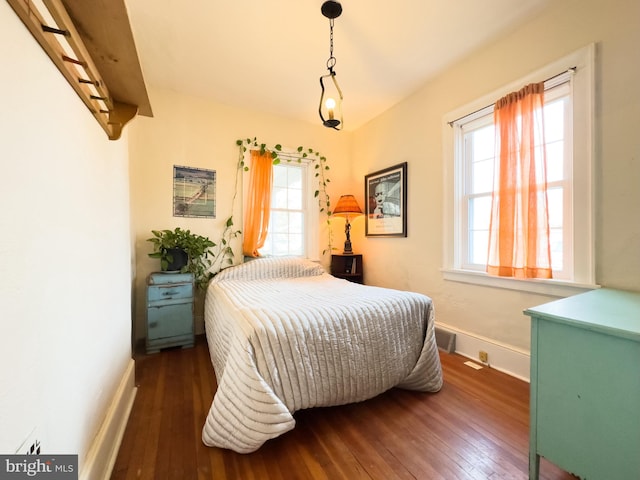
(475, 428)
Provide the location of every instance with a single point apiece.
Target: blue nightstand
(169, 311)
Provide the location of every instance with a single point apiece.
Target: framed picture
(385, 194)
(194, 192)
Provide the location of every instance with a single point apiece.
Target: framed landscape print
(385, 194)
(194, 192)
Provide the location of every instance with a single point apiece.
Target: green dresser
(585, 385)
(169, 311)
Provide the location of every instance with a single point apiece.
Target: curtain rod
(570, 69)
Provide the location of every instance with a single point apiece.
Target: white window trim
(583, 86)
(312, 217)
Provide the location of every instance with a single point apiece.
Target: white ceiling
(268, 55)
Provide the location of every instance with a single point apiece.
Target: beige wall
(197, 133)
(412, 132)
(194, 132)
(65, 319)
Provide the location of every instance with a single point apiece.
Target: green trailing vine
(209, 257)
(319, 164)
(223, 252)
(221, 255)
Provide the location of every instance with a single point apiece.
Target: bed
(284, 335)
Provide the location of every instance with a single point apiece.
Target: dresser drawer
(174, 291)
(160, 278)
(169, 321)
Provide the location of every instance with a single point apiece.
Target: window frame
(583, 92)
(311, 215)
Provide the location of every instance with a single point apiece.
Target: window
(293, 228)
(477, 149)
(470, 155)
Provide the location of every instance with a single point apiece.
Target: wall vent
(446, 340)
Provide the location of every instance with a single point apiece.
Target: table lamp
(347, 207)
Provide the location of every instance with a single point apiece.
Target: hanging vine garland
(321, 169)
(222, 254)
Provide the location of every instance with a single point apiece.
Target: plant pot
(178, 259)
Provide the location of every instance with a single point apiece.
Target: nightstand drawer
(169, 321)
(161, 278)
(169, 292)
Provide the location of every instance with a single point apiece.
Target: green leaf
(321, 194)
(229, 221)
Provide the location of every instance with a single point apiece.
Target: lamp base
(347, 248)
(332, 123)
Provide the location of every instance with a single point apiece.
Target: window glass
(477, 168)
(288, 213)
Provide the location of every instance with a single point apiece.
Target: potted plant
(183, 251)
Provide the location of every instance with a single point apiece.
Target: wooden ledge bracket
(119, 116)
(80, 72)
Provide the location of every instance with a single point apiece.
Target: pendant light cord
(331, 62)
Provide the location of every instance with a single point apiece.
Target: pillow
(271, 267)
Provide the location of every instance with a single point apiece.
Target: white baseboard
(502, 357)
(104, 449)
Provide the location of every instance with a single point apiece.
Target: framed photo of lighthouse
(385, 194)
(194, 192)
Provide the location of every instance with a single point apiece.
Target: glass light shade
(330, 108)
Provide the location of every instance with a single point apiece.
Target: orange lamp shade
(347, 206)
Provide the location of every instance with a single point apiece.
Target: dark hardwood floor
(476, 427)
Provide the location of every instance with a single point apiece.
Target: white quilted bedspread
(284, 335)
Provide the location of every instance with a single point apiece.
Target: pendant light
(330, 108)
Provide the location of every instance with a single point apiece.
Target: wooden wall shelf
(92, 45)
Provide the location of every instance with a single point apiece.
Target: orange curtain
(257, 203)
(519, 230)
